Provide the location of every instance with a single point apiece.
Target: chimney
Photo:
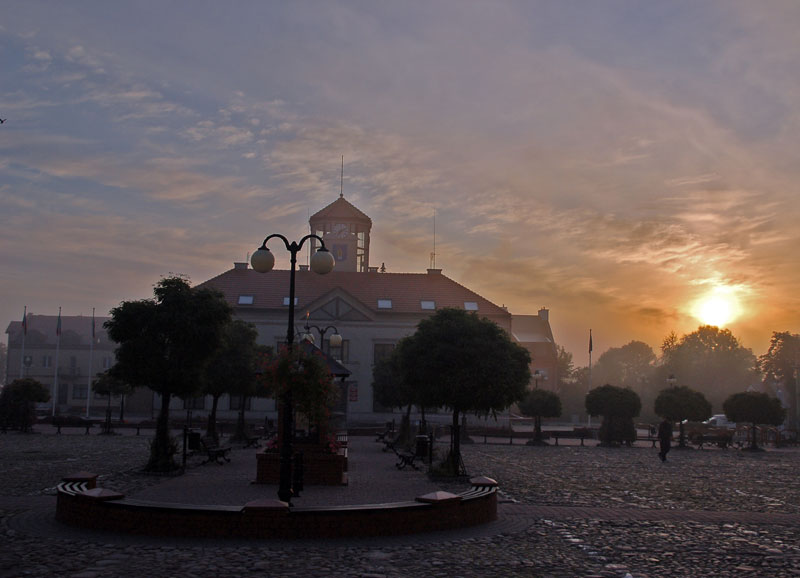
(240, 265)
(434, 271)
(544, 314)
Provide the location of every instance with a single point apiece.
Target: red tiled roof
(406, 290)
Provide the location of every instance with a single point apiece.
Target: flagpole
(91, 371)
(58, 347)
(589, 417)
(24, 333)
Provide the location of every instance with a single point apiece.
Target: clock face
(340, 230)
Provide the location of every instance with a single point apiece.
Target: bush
(18, 403)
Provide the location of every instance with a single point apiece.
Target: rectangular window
(384, 303)
(47, 361)
(79, 391)
(470, 305)
(382, 351)
(286, 301)
(107, 362)
(236, 403)
(248, 300)
(428, 305)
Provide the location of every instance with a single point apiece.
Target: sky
(629, 165)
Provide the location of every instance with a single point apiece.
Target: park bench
(381, 436)
(578, 433)
(214, 451)
(72, 421)
(720, 440)
(653, 439)
(406, 458)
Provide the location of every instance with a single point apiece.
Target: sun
(718, 307)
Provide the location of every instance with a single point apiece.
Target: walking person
(665, 438)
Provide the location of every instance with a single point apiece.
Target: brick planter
(320, 468)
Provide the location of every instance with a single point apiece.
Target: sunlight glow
(717, 307)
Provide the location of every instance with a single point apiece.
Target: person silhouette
(664, 438)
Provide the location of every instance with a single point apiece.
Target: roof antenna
(433, 254)
(341, 182)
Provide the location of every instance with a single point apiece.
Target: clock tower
(345, 230)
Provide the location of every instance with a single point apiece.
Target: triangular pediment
(338, 305)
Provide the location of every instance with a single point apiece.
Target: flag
(25, 321)
(590, 341)
(58, 325)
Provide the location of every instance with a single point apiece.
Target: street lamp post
(263, 261)
(335, 340)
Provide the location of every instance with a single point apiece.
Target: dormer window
(245, 300)
(470, 305)
(384, 303)
(427, 305)
(286, 301)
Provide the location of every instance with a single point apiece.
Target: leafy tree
(680, 403)
(308, 378)
(3, 363)
(754, 408)
(779, 362)
(18, 402)
(232, 370)
(710, 360)
(618, 406)
(390, 390)
(109, 385)
(565, 367)
(632, 366)
(465, 363)
(165, 344)
(540, 403)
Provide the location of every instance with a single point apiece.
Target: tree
(165, 344)
(779, 362)
(107, 384)
(3, 363)
(681, 403)
(390, 390)
(232, 370)
(755, 408)
(632, 366)
(17, 403)
(540, 403)
(308, 378)
(465, 363)
(618, 406)
(710, 360)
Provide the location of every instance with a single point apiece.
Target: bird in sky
(2, 120)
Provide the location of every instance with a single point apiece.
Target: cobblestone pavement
(569, 511)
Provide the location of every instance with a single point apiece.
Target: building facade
(370, 308)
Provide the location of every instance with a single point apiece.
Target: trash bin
(422, 447)
(193, 440)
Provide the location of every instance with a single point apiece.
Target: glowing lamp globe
(322, 261)
(263, 260)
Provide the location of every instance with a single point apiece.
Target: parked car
(720, 420)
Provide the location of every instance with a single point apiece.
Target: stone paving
(567, 511)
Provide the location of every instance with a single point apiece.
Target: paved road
(566, 511)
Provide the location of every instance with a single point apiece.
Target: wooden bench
(652, 439)
(214, 451)
(406, 459)
(574, 434)
(721, 441)
(72, 421)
